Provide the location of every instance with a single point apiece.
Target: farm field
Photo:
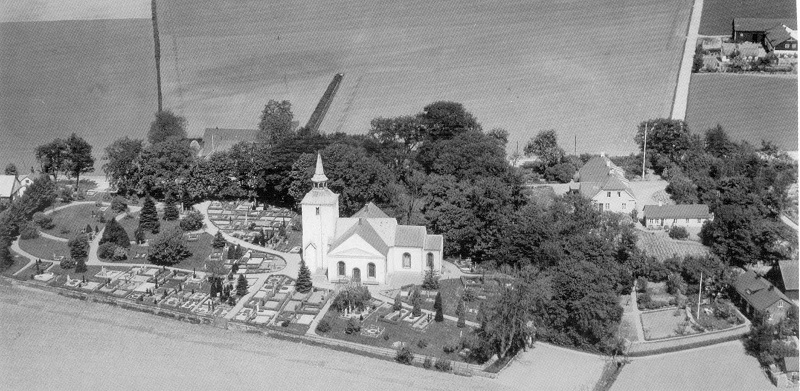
(508, 63)
(92, 77)
(748, 107)
(718, 14)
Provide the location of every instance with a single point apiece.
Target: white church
(368, 247)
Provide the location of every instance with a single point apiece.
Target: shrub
(119, 204)
(404, 356)
(323, 326)
(353, 326)
(42, 220)
(29, 231)
(80, 266)
(679, 233)
(428, 363)
(285, 323)
(64, 230)
(443, 364)
(423, 343)
(385, 336)
(469, 295)
(641, 285)
(66, 195)
(106, 250)
(450, 348)
(67, 264)
(193, 221)
(120, 254)
(398, 303)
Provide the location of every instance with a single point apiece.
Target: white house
(693, 215)
(12, 186)
(368, 247)
(604, 183)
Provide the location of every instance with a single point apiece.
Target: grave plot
(270, 226)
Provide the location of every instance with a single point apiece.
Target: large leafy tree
(467, 155)
(166, 126)
(123, 161)
(395, 141)
(667, 141)
(444, 120)
(79, 157)
(545, 146)
(276, 122)
(168, 248)
(79, 247)
(52, 157)
(162, 164)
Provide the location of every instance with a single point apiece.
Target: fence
(646, 348)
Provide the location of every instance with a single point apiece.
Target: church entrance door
(356, 274)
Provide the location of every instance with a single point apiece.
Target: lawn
(437, 334)
(451, 290)
(718, 14)
(662, 247)
(44, 248)
(749, 107)
(664, 324)
(19, 263)
(200, 249)
(75, 219)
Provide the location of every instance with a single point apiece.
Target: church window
(406, 261)
(430, 260)
(341, 268)
(371, 270)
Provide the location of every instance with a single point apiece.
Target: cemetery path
(312, 328)
(51, 237)
(95, 243)
(252, 291)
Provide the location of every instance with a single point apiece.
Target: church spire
(319, 178)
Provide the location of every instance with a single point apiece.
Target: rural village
(429, 241)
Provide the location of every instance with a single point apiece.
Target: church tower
(320, 210)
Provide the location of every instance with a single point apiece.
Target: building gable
(355, 246)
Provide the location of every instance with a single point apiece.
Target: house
(603, 182)
(772, 34)
(791, 367)
(368, 247)
(12, 186)
(693, 215)
(216, 139)
(761, 297)
(789, 275)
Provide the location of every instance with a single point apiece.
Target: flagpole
(700, 292)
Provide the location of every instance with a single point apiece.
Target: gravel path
(685, 74)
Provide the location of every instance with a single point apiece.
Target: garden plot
(663, 247)
(666, 323)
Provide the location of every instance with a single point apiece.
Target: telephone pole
(644, 151)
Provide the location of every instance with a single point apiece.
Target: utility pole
(699, 293)
(644, 151)
(576, 145)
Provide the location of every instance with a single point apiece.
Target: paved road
(685, 73)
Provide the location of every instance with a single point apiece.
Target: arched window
(371, 270)
(430, 260)
(406, 261)
(340, 266)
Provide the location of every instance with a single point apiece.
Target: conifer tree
(303, 284)
(219, 241)
(148, 218)
(241, 286)
(417, 310)
(437, 305)
(80, 266)
(114, 233)
(170, 211)
(461, 312)
(398, 303)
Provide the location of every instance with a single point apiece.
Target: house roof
(778, 35)
(600, 173)
(596, 169)
(410, 236)
(761, 24)
(216, 139)
(693, 211)
(370, 210)
(791, 364)
(367, 232)
(789, 273)
(757, 291)
(320, 196)
(8, 185)
(434, 242)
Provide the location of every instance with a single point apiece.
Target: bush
(42, 220)
(443, 364)
(641, 285)
(404, 356)
(29, 231)
(353, 326)
(119, 204)
(428, 363)
(120, 254)
(80, 266)
(679, 233)
(323, 326)
(193, 221)
(450, 348)
(285, 323)
(469, 295)
(106, 250)
(67, 264)
(423, 343)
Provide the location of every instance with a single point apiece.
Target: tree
(461, 313)
(718, 144)
(437, 305)
(545, 146)
(79, 247)
(303, 284)
(80, 265)
(79, 158)
(166, 126)
(416, 310)
(444, 120)
(122, 156)
(276, 122)
(241, 286)
(395, 141)
(6, 260)
(667, 141)
(192, 222)
(148, 217)
(11, 169)
(163, 165)
(115, 233)
(168, 248)
(431, 280)
(398, 303)
(219, 241)
(52, 157)
(170, 211)
(697, 63)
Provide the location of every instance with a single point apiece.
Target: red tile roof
(789, 273)
(758, 292)
(693, 211)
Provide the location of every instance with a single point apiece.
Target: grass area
(44, 248)
(664, 324)
(69, 221)
(451, 290)
(718, 14)
(658, 291)
(627, 329)
(200, 249)
(663, 247)
(19, 263)
(437, 334)
(749, 107)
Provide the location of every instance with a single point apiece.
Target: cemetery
(268, 225)
(66, 223)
